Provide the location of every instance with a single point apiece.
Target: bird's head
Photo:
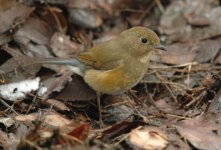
(141, 41)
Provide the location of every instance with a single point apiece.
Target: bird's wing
(88, 59)
(103, 62)
(105, 56)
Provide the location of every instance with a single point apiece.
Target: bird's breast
(114, 81)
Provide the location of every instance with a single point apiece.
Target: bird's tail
(72, 63)
(24, 61)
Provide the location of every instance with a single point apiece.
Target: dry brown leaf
(62, 46)
(148, 138)
(198, 21)
(178, 53)
(117, 108)
(206, 50)
(7, 122)
(34, 30)
(27, 118)
(203, 132)
(77, 90)
(56, 120)
(18, 67)
(81, 132)
(8, 140)
(85, 18)
(181, 53)
(16, 14)
(87, 4)
(51, 118)
(57, 105)
(57, 84)
(175, 20)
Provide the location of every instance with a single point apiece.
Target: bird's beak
(160, 47)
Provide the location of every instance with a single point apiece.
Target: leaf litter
(175, 106)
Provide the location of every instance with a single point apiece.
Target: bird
(117, 65)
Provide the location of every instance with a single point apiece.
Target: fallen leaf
(77, 90)
(178, 53)
(8, 140)
(8, 17)
(85, 18)
(117, 108)
(62, 46)
(148, 138)
(56, 84)
(206, 50)
(56, 120)
(81, 132)
(203, 132)
(51, 118)
(58, 105)
(34, 30)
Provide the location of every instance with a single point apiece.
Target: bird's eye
(144, 40)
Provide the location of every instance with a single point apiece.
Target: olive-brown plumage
(117, 65)
(120, 63)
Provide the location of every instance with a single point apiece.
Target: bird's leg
(99, 109)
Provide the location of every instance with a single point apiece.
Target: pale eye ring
(144, 40)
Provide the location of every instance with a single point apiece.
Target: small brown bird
(117, 65)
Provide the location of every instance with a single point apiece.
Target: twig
(168, 88)
(176, 116)
(33, 101)
(188, 76)
(159, 4)
(116, 104)
(8, 106)
(60, 29)
(166, 82)
(153, 102)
